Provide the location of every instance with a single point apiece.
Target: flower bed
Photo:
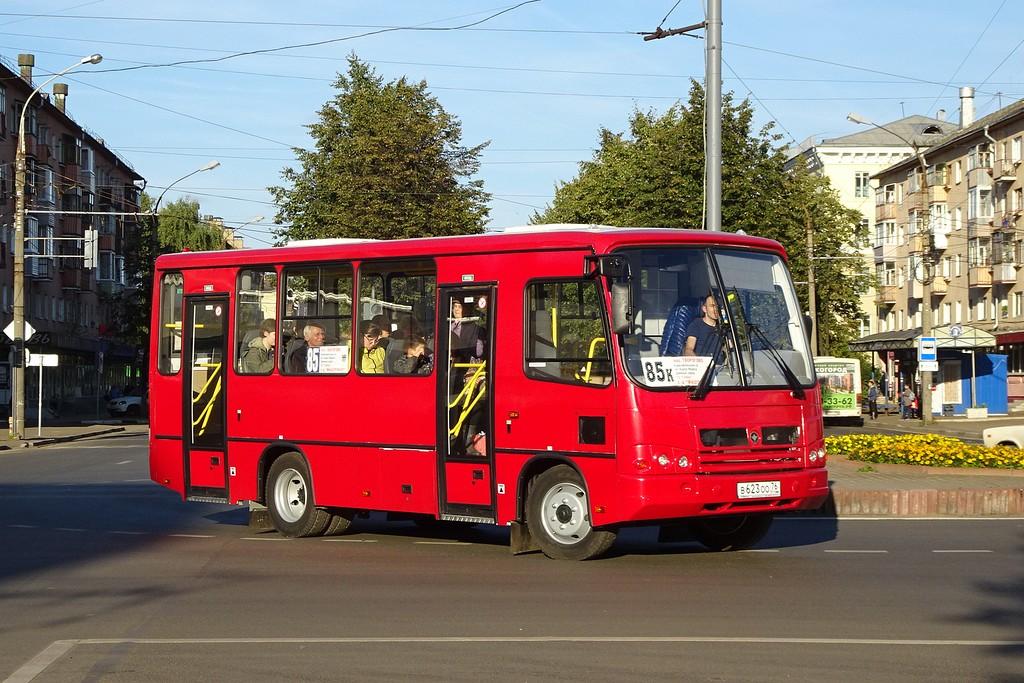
(923, 449)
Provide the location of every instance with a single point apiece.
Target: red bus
(565, 381)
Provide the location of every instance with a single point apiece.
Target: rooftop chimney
(26, 62)
(941, 115)
(966, 106)
(60, 94)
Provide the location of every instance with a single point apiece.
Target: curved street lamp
(925, 400)
(18, 375)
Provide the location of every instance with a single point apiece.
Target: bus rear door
(464, 360)
(205, 337)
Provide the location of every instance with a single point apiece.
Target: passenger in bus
(416, 360)
(703, 337)
(381, 321)
(295, 357)
(371, 356)
(467, 339)
(258, 357)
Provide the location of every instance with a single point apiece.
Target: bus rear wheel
(732, 532)
(558, 516)
(289, 497)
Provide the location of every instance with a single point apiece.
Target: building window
(947, 313)
(1018, 304)
(959, 311)
(1016, 151)
(861, 184)
(106, 269)
(958, 171)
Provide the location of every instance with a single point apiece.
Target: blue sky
(538, 81)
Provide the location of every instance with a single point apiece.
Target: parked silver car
(132, 405)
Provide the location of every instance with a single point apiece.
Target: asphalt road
(107, 577)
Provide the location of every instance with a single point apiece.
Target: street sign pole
(49, 360)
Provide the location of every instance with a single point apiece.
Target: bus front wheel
(732, 532)
(289, 499)
(558, 516)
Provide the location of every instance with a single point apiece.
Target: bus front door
(464, 359)
(204, 343)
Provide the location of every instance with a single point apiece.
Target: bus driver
(703, 338)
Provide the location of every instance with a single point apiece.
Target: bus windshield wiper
(773, 353)
(704, 385)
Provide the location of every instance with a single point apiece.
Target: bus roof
(598, 238)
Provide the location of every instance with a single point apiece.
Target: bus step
(206, 499)
(468, 518)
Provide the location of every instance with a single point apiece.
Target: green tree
(387, 162)
(654, 175)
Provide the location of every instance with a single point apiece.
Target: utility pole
(18, 371)
(713, 117)
(712, 107)
(812, 294)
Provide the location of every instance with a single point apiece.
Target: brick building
(68, 169)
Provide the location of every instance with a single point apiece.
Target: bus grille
(747, 461)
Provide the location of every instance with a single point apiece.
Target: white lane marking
(877, 552)
(963, 551)
(129, 533)
(63, 528)
(35, 666)
(22, 526)
(123, 462)
(59, 648)
(255, 538)
(897, 518)
(440, 543)
(190, 536)
(349, 540)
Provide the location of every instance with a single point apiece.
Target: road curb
(1002, 502)
(70, 437)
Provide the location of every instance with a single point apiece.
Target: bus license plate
(758, 489)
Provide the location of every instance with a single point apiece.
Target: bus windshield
(707, 318)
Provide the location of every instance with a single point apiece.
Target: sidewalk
(860, 488)
(73, 432)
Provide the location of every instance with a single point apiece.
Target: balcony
(885, 295)
(1008, 221)
(71, 226)
(979, 276)
(42, 153)
(885, 252)
(915, 290)
(1005, 171)
(940, 286)
(106, 242)
(979, 177)
(917, 243)
(74, 279)
(108, 287)
(1004, 274)
(885, 212)
(39, 268)
(979, 227)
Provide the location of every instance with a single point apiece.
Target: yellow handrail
(472, 391)
(204, 415)
(590, 355)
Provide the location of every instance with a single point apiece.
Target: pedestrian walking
(872, 400)
(907, 400)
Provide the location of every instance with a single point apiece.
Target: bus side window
(255, 302)
(396, 302)
(567, 340)
(171, 301)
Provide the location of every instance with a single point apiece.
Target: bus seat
(673, 336)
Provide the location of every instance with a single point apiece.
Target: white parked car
(126, 406)
(1010, 435)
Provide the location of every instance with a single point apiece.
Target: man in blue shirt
(703, 338)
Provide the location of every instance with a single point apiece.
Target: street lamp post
(18, 375)
(154, 213)
(926, 262)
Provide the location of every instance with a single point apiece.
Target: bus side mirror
(809, 328)
(620, 308)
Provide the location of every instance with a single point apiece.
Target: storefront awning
(946, 337)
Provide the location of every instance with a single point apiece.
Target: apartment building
(963, 216)
(850, 161)
(69, 306)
